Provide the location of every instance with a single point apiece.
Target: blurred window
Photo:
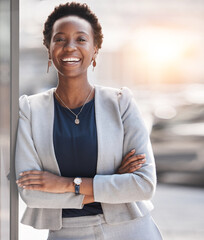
(4, 119)
(8, 117)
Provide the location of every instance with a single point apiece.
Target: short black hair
(76, 9)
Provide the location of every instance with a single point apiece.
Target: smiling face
(72, 46)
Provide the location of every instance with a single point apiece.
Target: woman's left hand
(43, 181)
(131, 163)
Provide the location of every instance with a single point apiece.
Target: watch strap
(77, 189)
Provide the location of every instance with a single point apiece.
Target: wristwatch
(77, 181)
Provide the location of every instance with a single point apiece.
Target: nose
(69, 46)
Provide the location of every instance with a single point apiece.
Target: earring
(49, 64)
(94, 64)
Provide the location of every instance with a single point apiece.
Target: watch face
(77, 181)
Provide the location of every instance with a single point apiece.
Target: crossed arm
(40, 189)
(48, 182)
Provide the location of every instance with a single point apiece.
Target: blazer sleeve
(129, 187)
(26, 158)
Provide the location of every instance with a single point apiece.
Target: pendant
(77, 121)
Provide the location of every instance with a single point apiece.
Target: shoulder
(39, 99)
(124, 93)
(36, 97)
(120, 97)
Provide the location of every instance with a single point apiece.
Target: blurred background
(154, 47)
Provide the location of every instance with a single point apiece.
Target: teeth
(70, 59)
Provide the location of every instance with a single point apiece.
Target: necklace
(76, 115)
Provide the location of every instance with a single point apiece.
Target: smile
(71, 60)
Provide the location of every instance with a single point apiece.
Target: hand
(131, 162)
(43, 181)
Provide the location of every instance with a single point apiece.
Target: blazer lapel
(107, 124)
(44, 134)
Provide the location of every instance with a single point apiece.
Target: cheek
(90, 52)
(54, 55)
(89, 57)
(54, 49)
(53, 52)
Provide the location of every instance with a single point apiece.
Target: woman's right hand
(131, 162)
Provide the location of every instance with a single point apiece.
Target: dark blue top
(76, 149)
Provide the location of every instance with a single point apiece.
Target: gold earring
(94, 64)
(49, 64)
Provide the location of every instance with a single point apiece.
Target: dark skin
(72, 37)
(72, 50)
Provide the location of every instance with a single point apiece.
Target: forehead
(72, 23)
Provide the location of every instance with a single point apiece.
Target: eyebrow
(83, 32)
(79, 32)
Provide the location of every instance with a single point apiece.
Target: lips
(71, 60)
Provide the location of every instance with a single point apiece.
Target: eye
(59, 39)
(81, 39)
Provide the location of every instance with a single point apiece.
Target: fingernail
(21, 174)
(133, 150)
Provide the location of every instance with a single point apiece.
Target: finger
(132, 166)
(30, 182)
(140, 161)
(122, 170)
(27, 177)
(33, 187)
(30, 172)
(132, 169)
(135, 168)
(124, 167)
(135, 164)
(133, 159)
(129, 154)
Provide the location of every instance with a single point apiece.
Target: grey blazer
(119, 128)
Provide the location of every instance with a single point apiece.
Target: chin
(71, 74)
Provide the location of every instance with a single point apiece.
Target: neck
(74, 92)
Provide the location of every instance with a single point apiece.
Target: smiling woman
(84, 161)
(72, 47)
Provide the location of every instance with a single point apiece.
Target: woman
(71, 141)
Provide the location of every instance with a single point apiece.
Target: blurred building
(145, 42)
